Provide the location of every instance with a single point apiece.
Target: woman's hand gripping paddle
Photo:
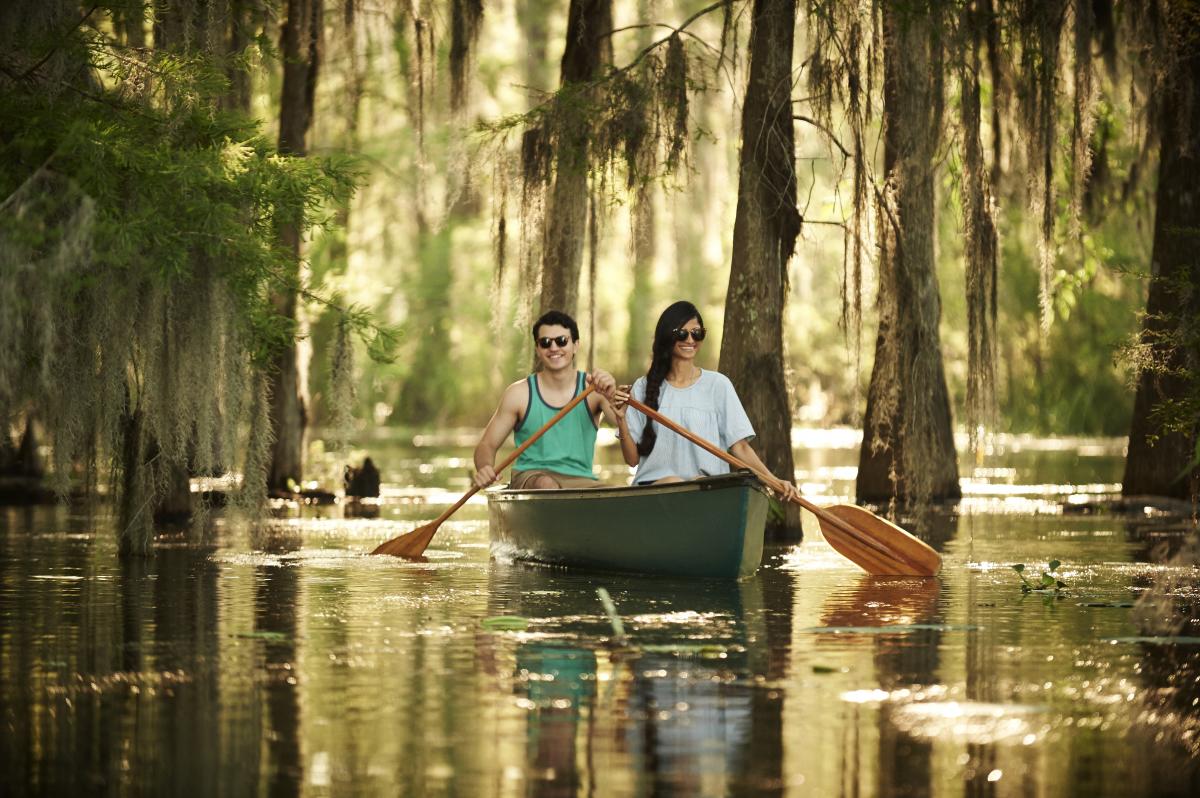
(873, 543)
(413, 544)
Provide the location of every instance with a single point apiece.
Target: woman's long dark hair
(672, 318)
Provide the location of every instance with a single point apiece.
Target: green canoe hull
(710, 527)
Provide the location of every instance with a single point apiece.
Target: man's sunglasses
(681, 334)
(561, 340)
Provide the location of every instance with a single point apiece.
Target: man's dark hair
(559, 318)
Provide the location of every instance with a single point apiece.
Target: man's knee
(544, 482)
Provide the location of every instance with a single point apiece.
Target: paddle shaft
(768, 479)
(512, 458)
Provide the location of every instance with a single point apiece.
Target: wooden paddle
(873, 543)
(413, 544)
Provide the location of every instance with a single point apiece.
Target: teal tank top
(568, 447)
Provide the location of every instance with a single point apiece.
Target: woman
(704, 402)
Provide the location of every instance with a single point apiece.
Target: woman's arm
(743, 451)
(628, 444)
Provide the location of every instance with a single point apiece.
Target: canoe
(709, 527)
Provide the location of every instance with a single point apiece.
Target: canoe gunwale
(736, 479)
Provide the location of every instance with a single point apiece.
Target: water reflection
(276, 599)
(674, 708)
(559, 688)
(289, 662)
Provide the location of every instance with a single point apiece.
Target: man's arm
(504, 421)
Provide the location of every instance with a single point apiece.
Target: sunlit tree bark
(1164, 462)
(588, 47)
(300, 50)
(764, 236)
(908, 445)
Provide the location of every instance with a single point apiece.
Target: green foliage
(1048, 582)
(139, 250)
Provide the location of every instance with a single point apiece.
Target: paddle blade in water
(877, 545)
(410, 545)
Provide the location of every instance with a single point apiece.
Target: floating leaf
(823, 669)
(1019, 567)
(505, 623)
(1054, 564)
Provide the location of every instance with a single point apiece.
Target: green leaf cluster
(1048, 582)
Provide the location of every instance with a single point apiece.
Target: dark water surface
(285, 660)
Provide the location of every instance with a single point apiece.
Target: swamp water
(285, 660)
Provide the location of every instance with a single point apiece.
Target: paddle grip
(769, 480)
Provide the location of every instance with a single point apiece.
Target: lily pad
(1104, 603)
(505, 623)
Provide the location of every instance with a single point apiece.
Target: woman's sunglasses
(561, 340)
(681, 334)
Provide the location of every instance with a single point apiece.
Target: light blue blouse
(709, 407)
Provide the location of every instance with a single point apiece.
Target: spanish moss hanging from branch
(626, 127)
(465, 19)
(841, 74)
(1083, 112)
(1040, 30)
(980, 241)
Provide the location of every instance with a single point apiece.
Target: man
(562, 458)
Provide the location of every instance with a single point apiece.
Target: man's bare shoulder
(516, 396)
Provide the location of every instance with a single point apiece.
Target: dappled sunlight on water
(284, 658)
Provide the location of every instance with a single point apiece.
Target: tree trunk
(645, 243)
(300, 48)
(908, 444)
(1166, 466)
(764, 236)
(243, 23)
(588, 47)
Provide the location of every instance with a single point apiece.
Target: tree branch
(824, 130)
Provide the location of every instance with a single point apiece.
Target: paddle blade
(410, 545)
(896, 552)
